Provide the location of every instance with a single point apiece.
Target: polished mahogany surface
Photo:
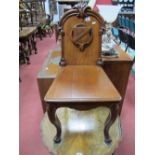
(82, 83)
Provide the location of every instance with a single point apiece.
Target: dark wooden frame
(52, 107)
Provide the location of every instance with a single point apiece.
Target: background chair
(130, 41)
(132, 26)
(123, 37)
(127, 23)
(48, 27)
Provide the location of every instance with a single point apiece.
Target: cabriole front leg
(51, 110)
(109, 121)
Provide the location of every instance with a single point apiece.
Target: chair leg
(49, 32)
(33, 43)
(40, 33)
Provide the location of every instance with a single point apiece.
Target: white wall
(47, 7)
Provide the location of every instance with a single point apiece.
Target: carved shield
(81, 35)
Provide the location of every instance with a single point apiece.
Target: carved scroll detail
(82, 9)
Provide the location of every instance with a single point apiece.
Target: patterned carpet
(82, 131)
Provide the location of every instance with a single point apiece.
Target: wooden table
(26, 34)
(27, 31)
(82, 87)
(117, 69)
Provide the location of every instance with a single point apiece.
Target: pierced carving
(82, 9)
(81, 35)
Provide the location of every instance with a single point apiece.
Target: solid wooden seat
(82, 83)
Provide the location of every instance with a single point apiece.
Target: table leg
(33, 42)
(29, 46)
(40, 32)
(51, 110)
(109, 121)
(24, 48)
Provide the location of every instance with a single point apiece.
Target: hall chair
(81, 83)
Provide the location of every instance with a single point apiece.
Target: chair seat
(83, 83)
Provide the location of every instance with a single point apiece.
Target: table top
(50, 69)
(26, 31)
(122, 55)
(82, 83)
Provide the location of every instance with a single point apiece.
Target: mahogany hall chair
(81, 83)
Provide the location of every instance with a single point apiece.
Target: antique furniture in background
(32, 11)
(27, 42)
(52, 7)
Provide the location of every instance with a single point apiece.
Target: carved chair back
(81, 31)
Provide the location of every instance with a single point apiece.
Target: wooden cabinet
(118, 70)
(47, 74)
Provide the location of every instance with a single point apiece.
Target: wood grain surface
(82, 83)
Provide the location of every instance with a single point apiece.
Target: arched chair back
(81, 31)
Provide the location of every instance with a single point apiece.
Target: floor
(31, 111)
